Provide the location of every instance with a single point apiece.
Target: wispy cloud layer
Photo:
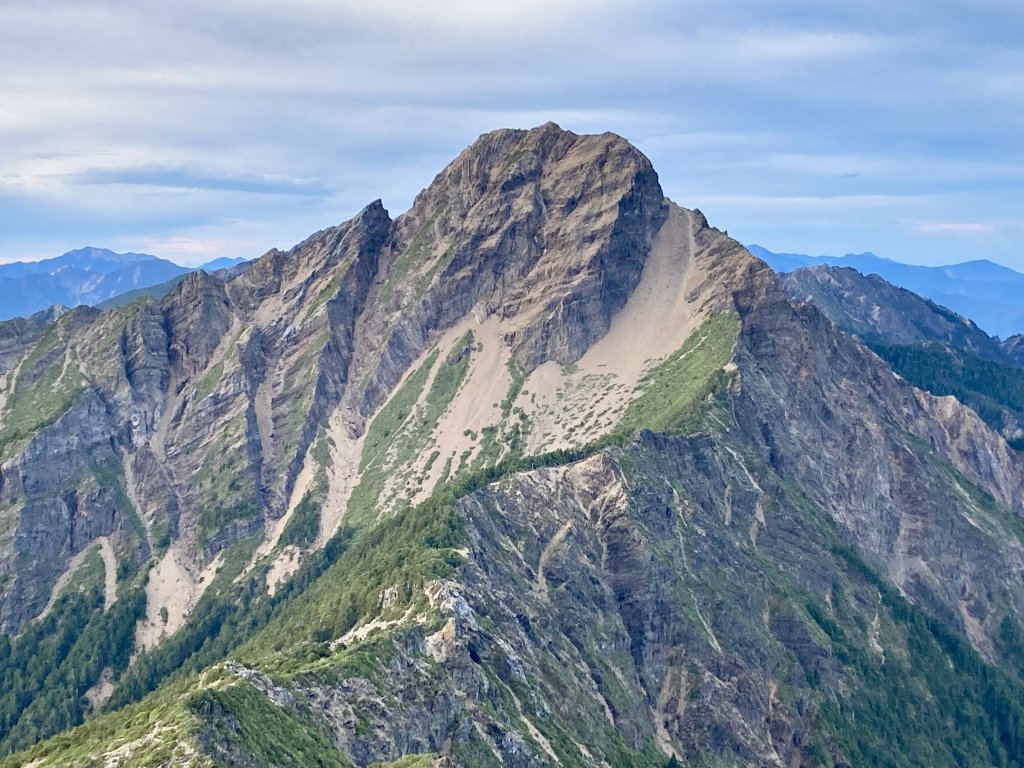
(164, 177)
(227, 128)
(953, 228)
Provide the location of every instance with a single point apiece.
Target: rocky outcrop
(17, 336)
(65, 487)
(1013, 347)
(893, 465)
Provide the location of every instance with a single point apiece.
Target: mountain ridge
(544, 471)
(88, 258)
(982, 290)
(930, 345)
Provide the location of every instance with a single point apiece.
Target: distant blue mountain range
(222, 263)
(84, 276)
(990, 294)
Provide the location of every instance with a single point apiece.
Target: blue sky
(194, 129)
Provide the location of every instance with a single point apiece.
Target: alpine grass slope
(544, 472)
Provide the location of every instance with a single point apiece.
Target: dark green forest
(992, 389)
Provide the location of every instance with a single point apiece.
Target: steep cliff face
(546, 471)
(894, 466)
(196, 409)
(544, 230)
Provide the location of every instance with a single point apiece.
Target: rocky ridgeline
(679, 513)
(878, 311)
(1014, 348)
(213, 395)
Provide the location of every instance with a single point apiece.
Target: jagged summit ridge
(518, 224)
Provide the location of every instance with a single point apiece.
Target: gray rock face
(830, 417)
(543, 227)
(931, 346)
(16, 338)
(58, 482)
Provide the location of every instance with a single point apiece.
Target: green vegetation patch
(402, 428)
(35, 405)
(48, 343)
(209, 381)
(224, 484)
(328, 293)
(244, 727)
(303, 527)
(47, 669)
(942, 705)
(109, 474)
(159, 731)
(409, 761)
(672, 390)
(992, 389)
(382, 434)
(508, 436)
(214, 518)
(402, 552)
(112, 325)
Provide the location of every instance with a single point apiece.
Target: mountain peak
(507, 156)
(525, 221)
(400, 493)
(88, 275)
(92, 252)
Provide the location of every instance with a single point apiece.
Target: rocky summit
(545, 471)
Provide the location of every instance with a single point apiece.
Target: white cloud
(807, 202)
(953, 228)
